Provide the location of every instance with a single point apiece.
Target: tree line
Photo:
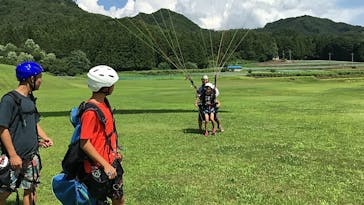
(68, 41)
(30, 51)
(127, 52)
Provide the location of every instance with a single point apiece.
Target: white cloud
(93, 7)
(225, 14)
(149, 6)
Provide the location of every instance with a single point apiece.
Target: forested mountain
(310, 25)
(67, 40)
(308, 37)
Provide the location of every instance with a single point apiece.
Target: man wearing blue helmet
(21, 135)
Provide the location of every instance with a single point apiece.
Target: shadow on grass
(11, 202)
(192, 131)
(124, 112)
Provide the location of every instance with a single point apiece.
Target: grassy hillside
(287, 140)
(8, 79)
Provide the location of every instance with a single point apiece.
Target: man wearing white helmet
(209, 107)
(101, 148)
(204, 80)
(200, 91)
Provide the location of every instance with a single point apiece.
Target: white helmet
(101, 76)
(204, 77)
(209, 85)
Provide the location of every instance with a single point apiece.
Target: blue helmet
(27, 69)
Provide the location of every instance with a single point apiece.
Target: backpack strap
(17, 101)
(85, 106)
(113, 119)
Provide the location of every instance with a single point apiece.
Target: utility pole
(352, 57)
(330, 56)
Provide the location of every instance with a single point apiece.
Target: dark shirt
(23, 133)
(208, 100)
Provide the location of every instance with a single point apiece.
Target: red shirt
(93, 129)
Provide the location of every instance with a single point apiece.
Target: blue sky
(349, 3)
(228, 14)
(109, 3)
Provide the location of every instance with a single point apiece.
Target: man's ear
(30, 80)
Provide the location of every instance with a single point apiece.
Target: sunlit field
(289, 140)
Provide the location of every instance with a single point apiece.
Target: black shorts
(201, 115)
(100, 187)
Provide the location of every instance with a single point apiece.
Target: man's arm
(90, 150)
(15, 160)
(218, 104)
(46, 141)
(197, 101)
(217, 93)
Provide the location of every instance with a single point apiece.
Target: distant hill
(43, 13)
(51, 23)
(309, 25)
(168, 20)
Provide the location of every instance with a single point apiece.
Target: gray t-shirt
(23, 132)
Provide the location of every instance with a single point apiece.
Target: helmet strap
(105, 90)
(34, 80)
(30, 83)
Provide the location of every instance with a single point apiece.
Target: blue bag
(71, 191)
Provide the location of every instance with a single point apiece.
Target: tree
(34, 49)
(10, 47)
(77, 62)
(12, 58)
(48, 61)
(164, 66)
(191, 65)
(359, 52)
(2, 50)
(24, 57)
(59, 66)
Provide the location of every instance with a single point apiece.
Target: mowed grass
(286, 140)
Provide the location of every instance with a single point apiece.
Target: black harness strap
(17, 101)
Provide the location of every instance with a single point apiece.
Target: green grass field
(286, 141)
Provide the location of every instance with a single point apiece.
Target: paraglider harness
(27, 160)
(208, 102)
(201, 95)
(97, 182)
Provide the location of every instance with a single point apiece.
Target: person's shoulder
(201, 89)
(7, 98)
(94, 110)
(88, 114)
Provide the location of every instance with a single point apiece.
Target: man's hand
(45, 142)
(110, 171)
(15, 162)
(119, 156)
